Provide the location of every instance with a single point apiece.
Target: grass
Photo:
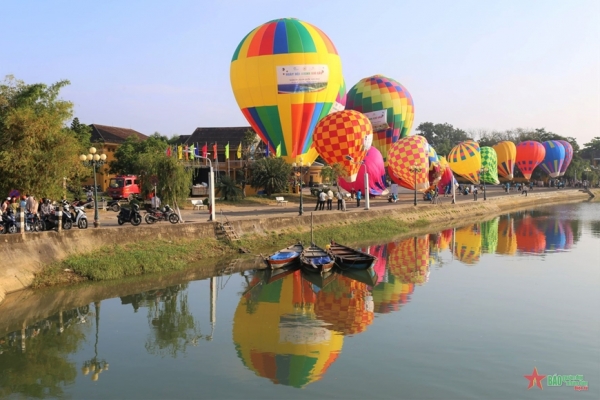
(164, 256)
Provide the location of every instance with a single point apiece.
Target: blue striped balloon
(555, 156)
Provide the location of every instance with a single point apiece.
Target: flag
(197, 152)
(179, 152)
(205, 150)
(215, 151)
(186, 152)
(192, 152)
(227, 151)
(168, 151)
(278, 150)
(267, 151)
(239, 151)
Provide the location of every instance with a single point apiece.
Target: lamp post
(482, 171)
(367, 197)
(94, 160)
(95, 365)
(416, 169)
(211, 183)
(299, 170)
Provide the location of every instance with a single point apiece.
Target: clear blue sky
(164, 65)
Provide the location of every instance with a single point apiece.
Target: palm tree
(228, 189)
(272, 174)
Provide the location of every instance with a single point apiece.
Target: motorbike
(163, 214)
(11, 224)
(79, 217)
(113, 205)
(51, 221)
(130, 215)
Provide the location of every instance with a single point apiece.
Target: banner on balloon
(302, 78)
(378, 120)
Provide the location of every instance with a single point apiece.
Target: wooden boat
(315, 259)
(349, 258)
(284, 257)
(319, 280)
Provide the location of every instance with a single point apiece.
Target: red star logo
(534, 379)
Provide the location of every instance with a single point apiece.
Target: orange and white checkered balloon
(406, 153)
(342, 134)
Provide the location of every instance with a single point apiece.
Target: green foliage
(591, 150)
(33, 137)
(129, 156)
(272, 174)
(173, 178)
(228, 188)
(331, 173)
(82, 132)
(443, 137)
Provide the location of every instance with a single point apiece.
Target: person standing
(318, 201)
(340, 197)
(5, 205)
(358, 197)
(323, 200)
(475, 193)
(330, 199)
(155, 201)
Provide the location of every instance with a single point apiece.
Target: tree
(37, 150)
(228, 189)
(128, 157)
(250, 151)
(82, 132)
(443, 137)
(331, 173)
(271, 174)
(591, 150)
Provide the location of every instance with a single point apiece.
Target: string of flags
(193, 151)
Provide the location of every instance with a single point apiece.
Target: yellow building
(107, 140)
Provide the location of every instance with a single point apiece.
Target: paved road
(108, 219)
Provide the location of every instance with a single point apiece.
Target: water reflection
(278, 335)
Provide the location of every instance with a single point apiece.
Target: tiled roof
(113, 134)
(221, 136)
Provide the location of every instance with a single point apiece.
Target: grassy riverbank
(163, 256)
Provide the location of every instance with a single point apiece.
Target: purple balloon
(568, 156)
(374, 163)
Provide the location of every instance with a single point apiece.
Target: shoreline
(27, 255)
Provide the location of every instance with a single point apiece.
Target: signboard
(378, 120)
(302, 78)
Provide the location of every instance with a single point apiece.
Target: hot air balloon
(373, 162)
(554, 158)
(388, 105)
(447, 175)
(468, 244)
(465, 160)
(530, 239)
(568, 156)
(277, 335)
(408, 260)
(489, 166)
(435, 170)
(489, 236)
(286, 75)
(529, 154)
(405, 155)
(391, 295)
(506, 153)
(342, 134)
(340, 101)
(507, 238)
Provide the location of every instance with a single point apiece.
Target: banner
(215, 151)
(302, 78)
(227, 151)
(378, 120)
(239, 151)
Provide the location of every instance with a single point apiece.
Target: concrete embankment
(24, 255)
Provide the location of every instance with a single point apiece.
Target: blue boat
(315, 259)
(284, 257)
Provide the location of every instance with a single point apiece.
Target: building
(107, 140)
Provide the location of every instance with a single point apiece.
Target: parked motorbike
(163, 214)
(11, 223)
(80, 218)
(114, 205)
(130, 215)
(50, 222)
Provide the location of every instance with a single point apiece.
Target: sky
(163, 66)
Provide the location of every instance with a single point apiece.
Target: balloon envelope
(286, 75)
(374, 165)
(506, 153)
(554, 158)
(465, 160)
(529, 155)
(568, 156)
(340, 135)
(388, 105)
(408, 160)
(489, 166)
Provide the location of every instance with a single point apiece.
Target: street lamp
(95, 365)
(299, 170)
(367, 197)
(94, 160)
(211, 184)
(482, 171)
(416, 169)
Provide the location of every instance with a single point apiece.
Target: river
(493, 310)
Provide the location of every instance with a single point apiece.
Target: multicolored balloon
(408, 160)
(529, 155)
(340, 135)
(285, 75)
(340, 101)
(465, 160)
(568, 156)
(388, 105)
(506, 154)
(447, 175)
(373, 163)
(489, 166)
(554, 158)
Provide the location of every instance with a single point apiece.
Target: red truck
(123, 186)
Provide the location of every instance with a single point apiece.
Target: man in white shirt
(155, 202)
(322, 200)
(330, 199)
